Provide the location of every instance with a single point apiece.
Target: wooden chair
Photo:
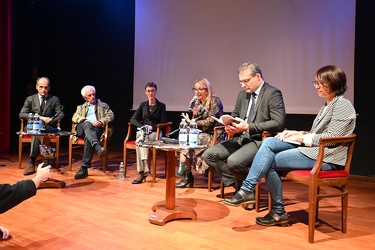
(130, 145)
(265, 134)
(81, 143)
(22, 139)
(317, 178)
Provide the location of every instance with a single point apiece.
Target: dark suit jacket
(158, 115)
(52, 107)
(269, 110)
(12, 195)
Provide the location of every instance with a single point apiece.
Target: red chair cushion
(130, 143)
(322, 174)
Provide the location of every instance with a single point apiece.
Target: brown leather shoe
(29, 170)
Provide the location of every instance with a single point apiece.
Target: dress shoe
(82, 173)
(140, 178)
(29, 170)
(182, 169)
(188, 179)
(273, 219)
(102, 152)
(241, 198)
(147, 173)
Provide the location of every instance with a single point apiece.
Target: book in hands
(225, 119)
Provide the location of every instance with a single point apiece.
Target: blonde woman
(206, 105)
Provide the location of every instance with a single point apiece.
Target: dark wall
(75, 43)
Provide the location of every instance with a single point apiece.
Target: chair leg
(209, 182)
(70, 154)
(125, 160)
(257, 197)
(57, 152)
(344, 212)
(222, 187)
(20, 154)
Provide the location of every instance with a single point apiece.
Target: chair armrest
(163, 126)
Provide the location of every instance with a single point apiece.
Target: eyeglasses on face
(246, 80)
(198, 89)
(150, 90)
(317, 83)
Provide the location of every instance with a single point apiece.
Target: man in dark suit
(12, 195)
(47, 106)
(231, 158)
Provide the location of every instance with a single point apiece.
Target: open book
(225, 119)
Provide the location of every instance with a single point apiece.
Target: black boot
(186, 180)
(182, 169)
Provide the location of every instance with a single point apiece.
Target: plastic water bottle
(121, 171)
(183, 133)
(30, 121)
(36, 124)
(193, 133)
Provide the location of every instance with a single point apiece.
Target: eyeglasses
(246, 80)
(151, 90)
(200, 89)
(317, 83)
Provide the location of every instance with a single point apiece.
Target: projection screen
(179, 41)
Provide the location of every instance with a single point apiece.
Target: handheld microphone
(195, 98)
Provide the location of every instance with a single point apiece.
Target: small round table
(163, 213)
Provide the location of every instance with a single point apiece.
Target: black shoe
(182, 169)
(147, 173)
(102, 152)
(273, 219)
(82, 173)
(188, 179)
(140, 178)
(241, 198)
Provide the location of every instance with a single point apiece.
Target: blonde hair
(207, 85)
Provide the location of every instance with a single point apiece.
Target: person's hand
(237, 126)
(186, 117)
(46, 120)
(149, 128)
(291, 135)
(43, 173)
(97, 124)
(5, 232)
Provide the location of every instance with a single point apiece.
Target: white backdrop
(179, 41)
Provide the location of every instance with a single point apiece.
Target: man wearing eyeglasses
(259, 107)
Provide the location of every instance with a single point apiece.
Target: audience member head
(88, 93)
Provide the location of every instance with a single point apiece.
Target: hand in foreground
(43, 173)
(5, 232)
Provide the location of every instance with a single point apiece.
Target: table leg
(50, 183)
(168, 211)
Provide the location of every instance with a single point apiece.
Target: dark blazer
(12, 195)
(269, 110)
(52, 107)
(158, 115)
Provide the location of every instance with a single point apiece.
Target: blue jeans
(275, 155)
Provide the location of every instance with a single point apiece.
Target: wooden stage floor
(104, 212)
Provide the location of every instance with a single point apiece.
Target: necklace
(151, 107)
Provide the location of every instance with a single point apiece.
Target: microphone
(195, 98)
